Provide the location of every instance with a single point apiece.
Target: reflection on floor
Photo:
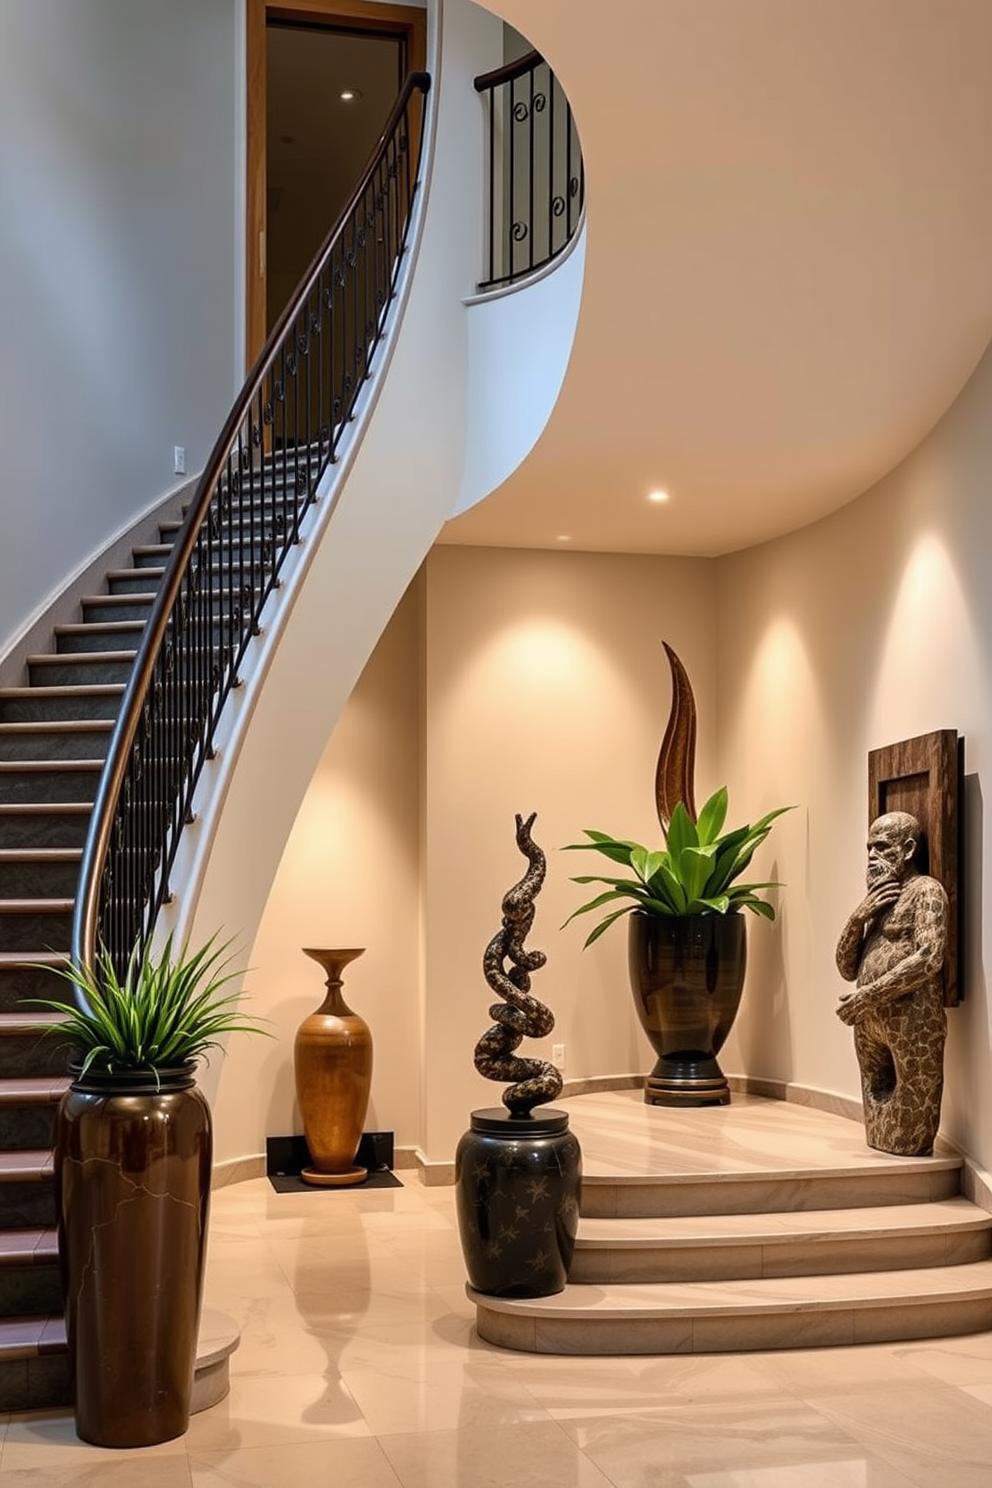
(359, 1367)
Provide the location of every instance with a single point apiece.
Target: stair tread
(15, 1024)
(857, 1289)
(49, 766)
(29, 808)
(27, 1337)
(782, 1227)
(138, 597)
(36, 906)
(74, 658)
(64, 689)
(90, 627)
(14, 960)
(22, 1247)
(33, 1090)
(57, 726)
(134, 573)
(26, 1165)
(41, 854)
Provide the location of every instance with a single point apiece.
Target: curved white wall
(519, 344)
(121, 233)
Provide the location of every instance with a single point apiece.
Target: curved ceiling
(789, 262)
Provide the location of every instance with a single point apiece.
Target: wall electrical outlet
(558, 1056)
(179, 459)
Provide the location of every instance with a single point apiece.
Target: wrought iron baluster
(532, 137)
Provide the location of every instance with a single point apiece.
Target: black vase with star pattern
(518, 1183)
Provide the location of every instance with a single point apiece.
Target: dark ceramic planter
(687, 975)
(132, 1168)
(518, 1183)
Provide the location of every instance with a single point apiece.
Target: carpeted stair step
(40, 872)
(29, 1041)
(27, 1110)
(29, 1273)
(45, 704)
(99, 609)
(27, 924)
(26, 975)
(80, 669)
(44, 824)
(133, 580)
(56, 740)
(27, 1197)
(48, 781)
(105, 635)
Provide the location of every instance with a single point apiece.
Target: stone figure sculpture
(893, 947)
(520, 1014)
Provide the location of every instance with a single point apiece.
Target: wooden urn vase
(332, 1059)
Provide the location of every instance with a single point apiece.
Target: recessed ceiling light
(658, 497)
(349, 95)
(564, 537)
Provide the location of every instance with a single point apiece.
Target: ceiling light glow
(658, 497)
(349, 95)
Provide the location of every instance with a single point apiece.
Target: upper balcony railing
(536, 183)
(258, 484)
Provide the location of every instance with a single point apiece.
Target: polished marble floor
(359, 1367)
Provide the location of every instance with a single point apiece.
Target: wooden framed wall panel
(923, 776)
(407, 21)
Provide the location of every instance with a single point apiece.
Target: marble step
(911, 1181)
(746, 1246)
(729, 1316)
(34, 1361)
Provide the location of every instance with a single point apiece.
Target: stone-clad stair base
(756, 1226)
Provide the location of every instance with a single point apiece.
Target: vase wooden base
(334, 1180)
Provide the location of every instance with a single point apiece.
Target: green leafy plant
(697, 872)
(161, 1014)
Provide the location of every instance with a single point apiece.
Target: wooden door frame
(396, 20)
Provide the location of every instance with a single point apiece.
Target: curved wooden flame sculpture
(676, 769)
(519, 1015)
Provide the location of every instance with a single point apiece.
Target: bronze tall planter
(132, 1166)
(332, 1060)
(687, 975)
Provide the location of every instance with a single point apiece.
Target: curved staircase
(54, 734)
(758, 1225)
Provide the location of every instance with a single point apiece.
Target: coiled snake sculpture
(519, 1015)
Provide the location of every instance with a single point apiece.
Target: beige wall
(547, 690)
(350, 876)
(871, 626)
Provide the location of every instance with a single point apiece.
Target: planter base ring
(690, 1079)
(334, 1180)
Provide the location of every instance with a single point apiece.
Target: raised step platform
(756, 1225)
